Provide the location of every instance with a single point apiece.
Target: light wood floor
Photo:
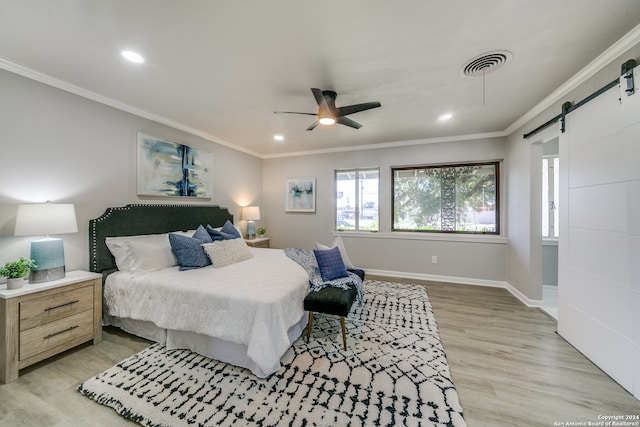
(509, 366)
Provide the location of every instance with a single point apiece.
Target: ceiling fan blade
(313, 126)
(348, 122)
(294, 112)
(317, 94)
(356, 108)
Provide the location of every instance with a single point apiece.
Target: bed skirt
(213, 348)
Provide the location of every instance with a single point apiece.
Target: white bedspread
(253, 302)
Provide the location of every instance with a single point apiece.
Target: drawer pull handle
(62, 305)
(61, 332)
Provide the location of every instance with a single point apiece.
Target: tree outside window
(446, 198)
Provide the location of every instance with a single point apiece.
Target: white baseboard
(459, 280)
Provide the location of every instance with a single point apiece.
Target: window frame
(551, 208)
(357, 212)
(495, 163)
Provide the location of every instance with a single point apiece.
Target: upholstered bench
(329, 300)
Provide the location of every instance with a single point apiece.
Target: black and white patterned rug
(394, 372)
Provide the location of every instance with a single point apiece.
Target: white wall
(61, 147)
(470, 259)
(550, 263)
(599, 290)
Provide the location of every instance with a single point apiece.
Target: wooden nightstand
(43, 319)
(260, 242)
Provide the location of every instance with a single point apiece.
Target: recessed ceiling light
(445, 117)
(278, 137)
(133, 56)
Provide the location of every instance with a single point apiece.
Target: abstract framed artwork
(301, 195)
(170, 169)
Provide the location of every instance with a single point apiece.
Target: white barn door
(599, 243)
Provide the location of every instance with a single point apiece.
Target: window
(357, 199)
(550, 196)
(446, 198)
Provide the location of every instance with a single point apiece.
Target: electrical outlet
(434, 259)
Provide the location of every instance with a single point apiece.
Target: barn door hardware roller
(566, 109)
(627, 73)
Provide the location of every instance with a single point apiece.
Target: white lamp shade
(251, 213)
(40, 219)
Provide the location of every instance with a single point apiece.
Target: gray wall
(550, 247)
(550, 264)
(61, 147)
(469, 258)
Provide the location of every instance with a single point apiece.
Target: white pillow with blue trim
(343, 252)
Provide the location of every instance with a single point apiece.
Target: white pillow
(147, 252)
(188, 233)
(149, 256)
(227, 252)
(343, 252)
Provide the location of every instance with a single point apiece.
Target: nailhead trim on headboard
(136, 219)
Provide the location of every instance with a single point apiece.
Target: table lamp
(251, 214)
(44, 219)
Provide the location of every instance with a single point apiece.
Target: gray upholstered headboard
(132, 220)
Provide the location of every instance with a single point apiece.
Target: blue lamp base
(49, 256)
(251, 230)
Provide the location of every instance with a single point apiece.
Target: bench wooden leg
(344, 333)
(309, 325)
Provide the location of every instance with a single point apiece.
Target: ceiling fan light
(132, 56)
(327, 121)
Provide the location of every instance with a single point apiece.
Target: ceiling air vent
(486, 63)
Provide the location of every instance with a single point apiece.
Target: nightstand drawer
(43, 319)
(49, 308)
(53, 334)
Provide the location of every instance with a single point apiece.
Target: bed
(247, 313)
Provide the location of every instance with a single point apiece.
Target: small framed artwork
(301, 195)
(170, 169)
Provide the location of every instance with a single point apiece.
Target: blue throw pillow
(202, 234)
(330, 264)
(230, 229)
(219, 235)
(189, 250)
(227, 232)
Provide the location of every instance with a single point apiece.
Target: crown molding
(396, 144)
(41, 77)
(614, 51)
(605, 58)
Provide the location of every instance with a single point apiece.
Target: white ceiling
(220, 68)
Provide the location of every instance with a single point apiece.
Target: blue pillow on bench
(330, 264)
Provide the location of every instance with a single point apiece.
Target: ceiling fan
(329, 114)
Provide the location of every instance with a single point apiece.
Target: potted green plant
(261, 231)
(15, 271)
